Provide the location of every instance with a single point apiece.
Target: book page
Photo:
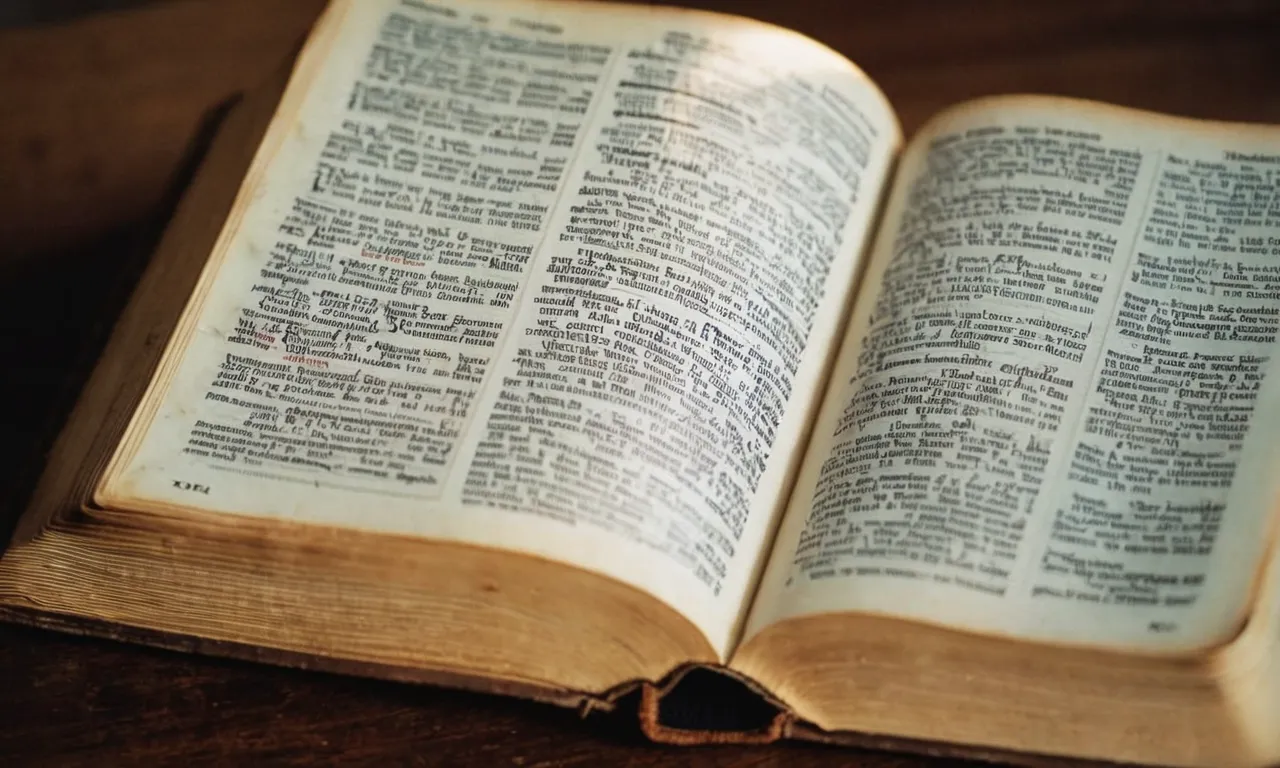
(1054, 413)
(556, 278)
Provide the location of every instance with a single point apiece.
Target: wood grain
(96, 115)
(97, 112)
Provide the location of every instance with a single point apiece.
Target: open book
(559, 349)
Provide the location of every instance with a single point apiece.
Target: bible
(611, 355)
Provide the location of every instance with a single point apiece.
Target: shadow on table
(56, 313)
(21, 13)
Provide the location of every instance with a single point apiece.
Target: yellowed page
(1052, 416)
(548, 277)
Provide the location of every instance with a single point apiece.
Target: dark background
(99, 100)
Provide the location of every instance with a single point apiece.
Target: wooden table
(96, 112)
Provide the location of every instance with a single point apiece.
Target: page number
(183, 485)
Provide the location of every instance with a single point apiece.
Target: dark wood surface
(95, 112)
